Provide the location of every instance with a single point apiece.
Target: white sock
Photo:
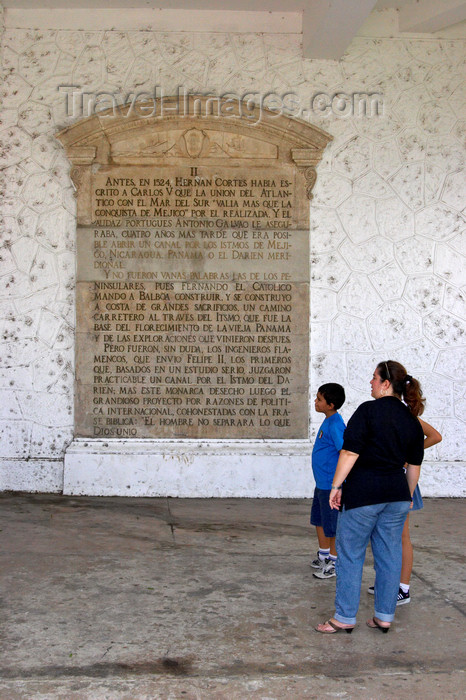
(323, 553)
(404, 587)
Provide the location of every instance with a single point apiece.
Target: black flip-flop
(376, 625)
(336, 628)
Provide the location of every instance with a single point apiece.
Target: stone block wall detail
(387, 219)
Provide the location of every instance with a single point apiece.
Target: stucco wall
(387, 239)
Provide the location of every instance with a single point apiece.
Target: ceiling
(328, 26)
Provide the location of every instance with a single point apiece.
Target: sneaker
(327, 571)
(402, 597)
(318, 563)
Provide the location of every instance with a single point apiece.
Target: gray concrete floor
(123, 598)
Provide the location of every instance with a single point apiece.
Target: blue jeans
(382, 524)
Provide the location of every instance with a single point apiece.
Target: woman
(374, 494)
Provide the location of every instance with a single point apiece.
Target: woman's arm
(432, 436)
(345, 464)
(412, 476)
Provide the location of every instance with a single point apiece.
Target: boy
(325, 453)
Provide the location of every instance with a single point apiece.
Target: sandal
(375, 624)
(336, 628)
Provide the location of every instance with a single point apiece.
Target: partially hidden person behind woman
(431, 437)
(373, 492)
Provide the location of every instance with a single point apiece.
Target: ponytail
(403, 385)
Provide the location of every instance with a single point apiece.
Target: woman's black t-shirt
(385, 435)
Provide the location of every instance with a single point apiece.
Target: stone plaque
(192, 276)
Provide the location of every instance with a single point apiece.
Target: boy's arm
(432, 436)
(337, 431)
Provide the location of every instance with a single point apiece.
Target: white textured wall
(387, 230)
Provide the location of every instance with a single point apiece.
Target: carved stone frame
(96, 142)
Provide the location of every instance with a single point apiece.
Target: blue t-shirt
(327, 446)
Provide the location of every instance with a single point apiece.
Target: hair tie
(408, 379)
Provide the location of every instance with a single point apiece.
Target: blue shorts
(417, 500)
(321, 513)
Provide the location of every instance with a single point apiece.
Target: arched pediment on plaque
(123, 137)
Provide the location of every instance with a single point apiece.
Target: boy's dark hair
(333, 393)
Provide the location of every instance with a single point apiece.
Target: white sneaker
(327, 571)
(318, 563)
